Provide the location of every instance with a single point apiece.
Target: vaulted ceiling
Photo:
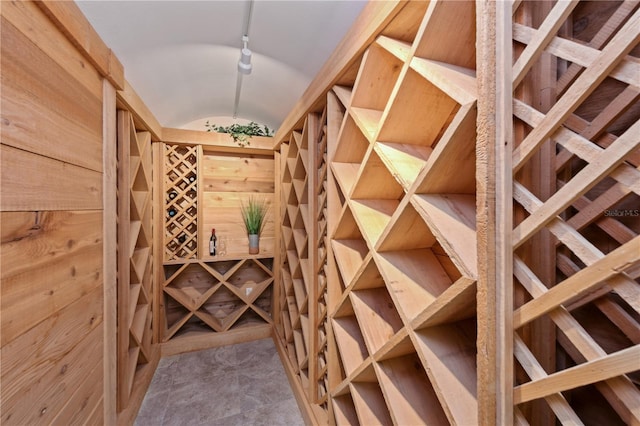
(181, 56)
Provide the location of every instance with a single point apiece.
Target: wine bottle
(213, 242)
(172, 195)
(182, 238)
(192, 178)
(172, 212)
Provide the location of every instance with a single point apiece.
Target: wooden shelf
(344, 410)
(458, 142)
(369, 404)
(352, 144)
(376, 316)
(350, 342)
(449, 354)
(456, 303)
(368, 121)
(350, 254)
(345, 174)
(218, 292)
(378, 73)
(373, 216)
(343, 93)
(452, 218)
(437, 41)
(408, 392)
(374, 170)
(415, 279)
(407, 230)
(404, 161)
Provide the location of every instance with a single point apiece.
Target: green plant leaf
(254, 210)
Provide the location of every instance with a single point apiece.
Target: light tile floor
(243, 384)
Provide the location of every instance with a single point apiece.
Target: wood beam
(494, 213)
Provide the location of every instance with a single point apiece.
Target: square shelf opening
(375, 181)
(370, 404)
(406, 230)
(349, 339)
(349, 247)
(415, 278)
(449, 355)
(376, 78)
(430, 108)
(404, 161)
(191, 286)
(454, 47)
(377, 316)
(352, 144)
(440, 174)
(344, 410)
(223, 307)
(452, 219)
(409, 394)
(175, 316)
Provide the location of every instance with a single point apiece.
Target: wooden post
(158, 239)
(110, 241)
(494, 215)
(537, 87)
(277, 220)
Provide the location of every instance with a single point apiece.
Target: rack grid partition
(393, 231)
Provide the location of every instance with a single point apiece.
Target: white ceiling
(181, 56)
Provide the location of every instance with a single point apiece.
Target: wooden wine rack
(574, 159)
(393, 234)
(201, 297)
(181, 202)
(297, 235)
(208, 300)
(135, 271)
(404, 240)
(497, 288)
(320, 297)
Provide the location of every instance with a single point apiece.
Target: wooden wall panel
(68, 247)
(46, 110)
(51, 208)
(33, 181)
(228, 179)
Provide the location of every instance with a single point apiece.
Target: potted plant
(254, 212)
(241, 133)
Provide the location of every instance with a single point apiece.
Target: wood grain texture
(34, 182)
(494, 214)
(45, 109)
(65, 262)
(109, 253)
(71, 22)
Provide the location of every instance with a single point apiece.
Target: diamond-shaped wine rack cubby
(403, 237)
(181, 202)
(135, 260)
(202, 297)
(302, 324)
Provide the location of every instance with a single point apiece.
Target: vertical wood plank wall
(55, 367)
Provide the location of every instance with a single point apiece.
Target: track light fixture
(244, 64)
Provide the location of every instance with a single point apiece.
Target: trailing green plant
(254, 211)
(241, 133)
